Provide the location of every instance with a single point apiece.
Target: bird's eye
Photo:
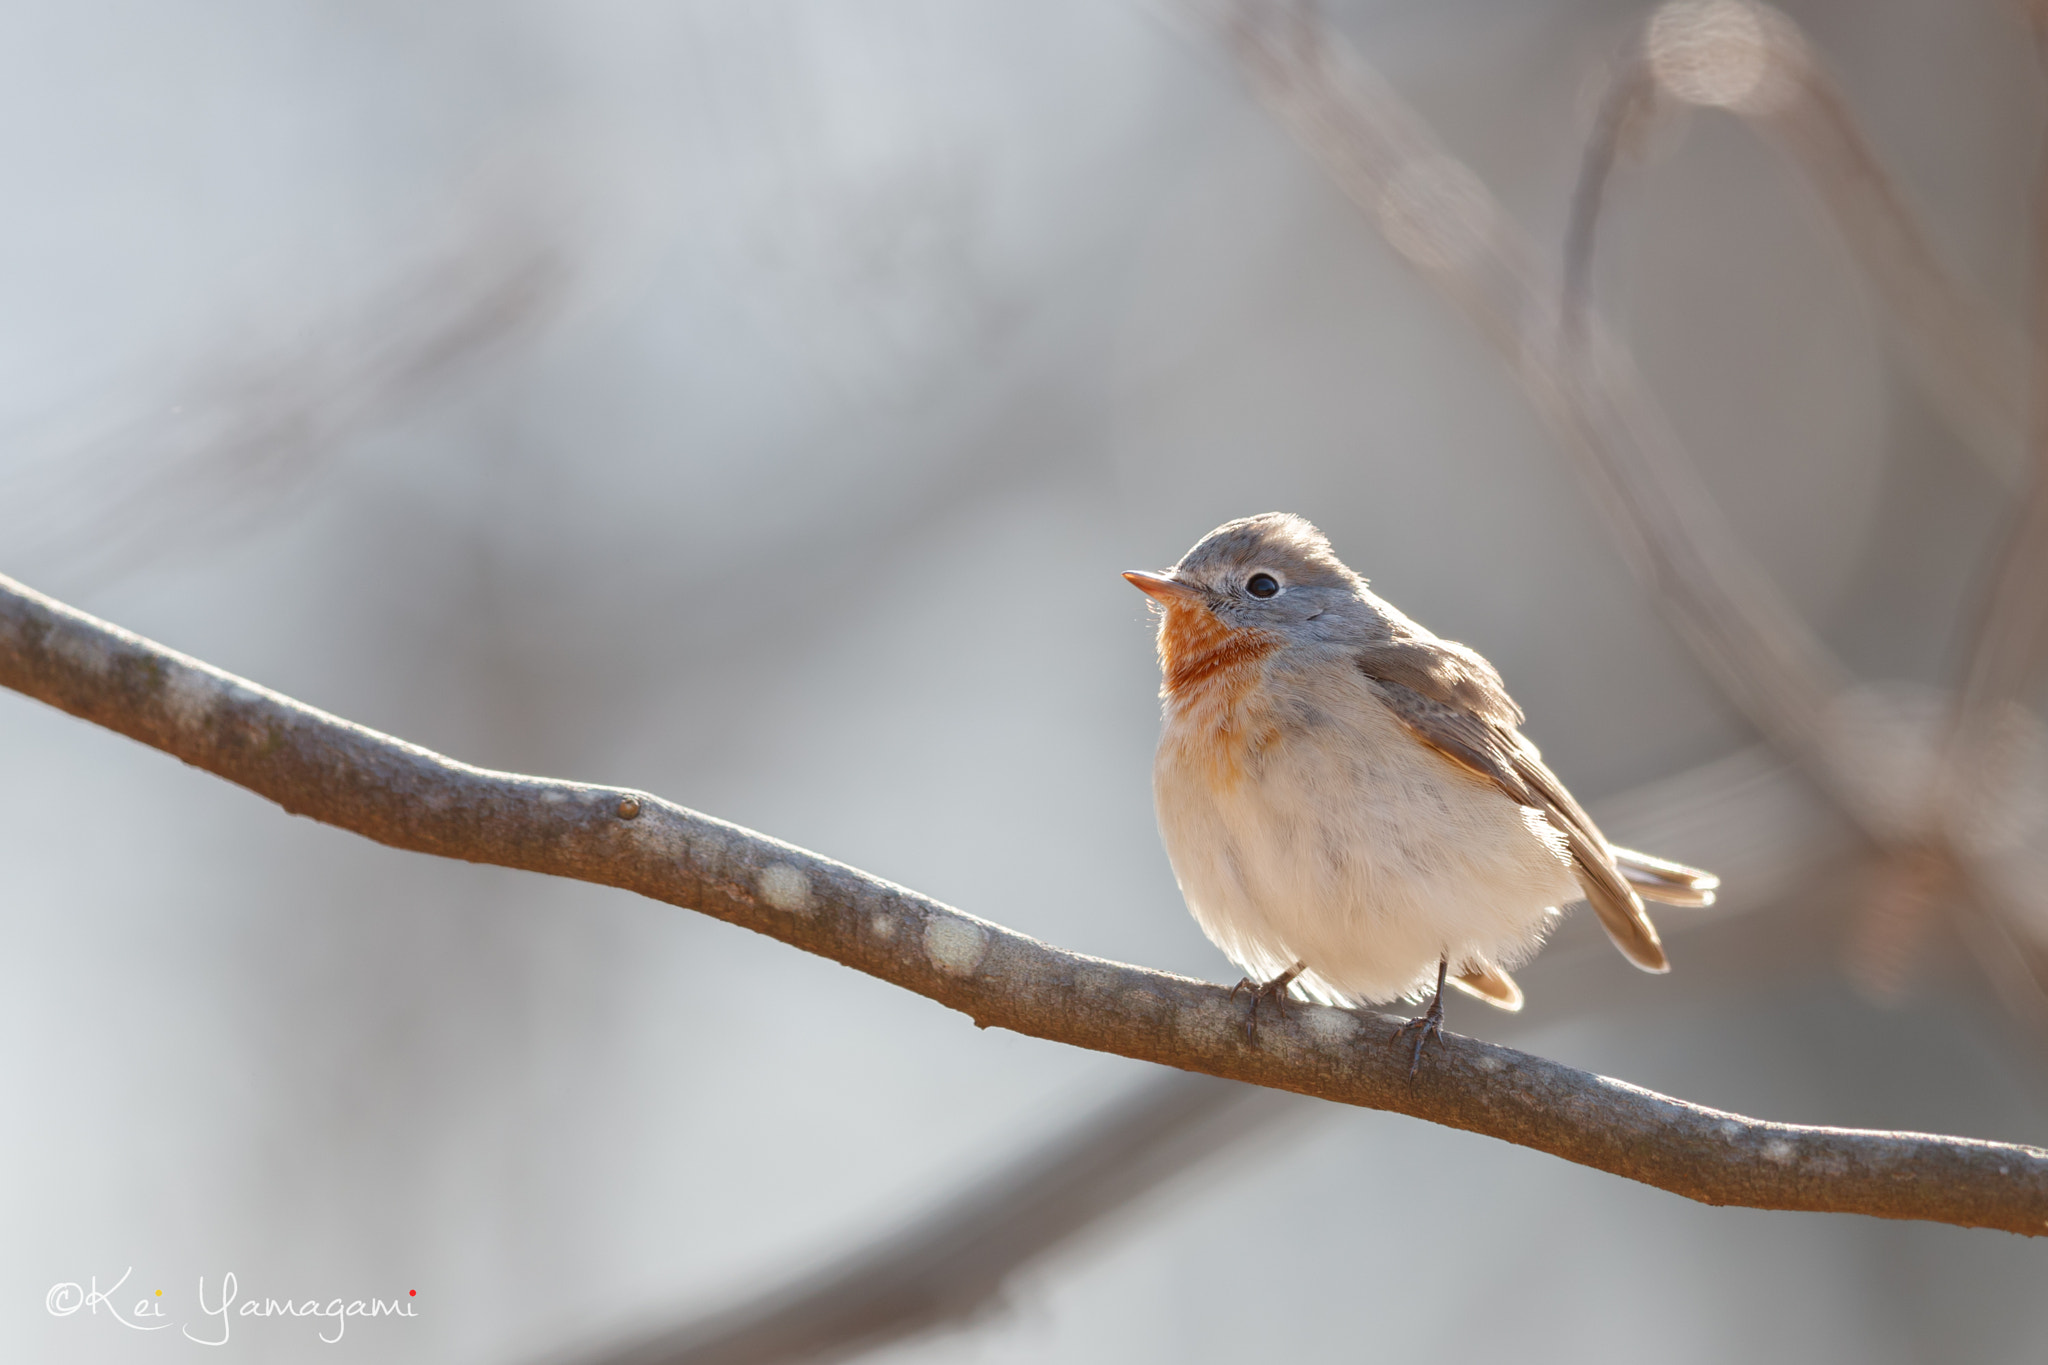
(1262, 585)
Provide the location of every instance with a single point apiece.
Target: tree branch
(343, 774)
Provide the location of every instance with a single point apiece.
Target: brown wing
(1445, 671)
(1477, 737)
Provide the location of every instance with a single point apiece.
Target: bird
(1348, 802)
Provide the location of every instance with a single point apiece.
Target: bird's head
(1248, 588)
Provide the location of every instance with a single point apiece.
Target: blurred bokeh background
(754, 401)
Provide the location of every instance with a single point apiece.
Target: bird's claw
(1427, 1025)
(1274, 990)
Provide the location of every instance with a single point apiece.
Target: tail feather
(1492, 985)
(1659, 879)
(1621, 914)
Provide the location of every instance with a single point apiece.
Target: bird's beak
(1165, 589)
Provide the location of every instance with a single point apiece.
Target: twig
(2006, 651)
(256, 430)
(950, 1266)
(2012, 630)
(1630, 96)
(1754, 62)
(1967, 359)
(339, 773)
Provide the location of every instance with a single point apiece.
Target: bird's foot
(1274, 990)
(1427, 1025)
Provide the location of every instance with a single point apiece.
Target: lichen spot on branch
(786, 888)
(955, 946)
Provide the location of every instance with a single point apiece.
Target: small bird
(1346, 799)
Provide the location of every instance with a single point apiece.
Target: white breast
(1325, 833)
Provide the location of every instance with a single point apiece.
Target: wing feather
(1444, 671)
(1454, 701)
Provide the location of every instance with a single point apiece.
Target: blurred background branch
(951, 1266)
(217, 458)
(1753, 61)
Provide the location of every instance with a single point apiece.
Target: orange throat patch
(1210, 674)
(1203, 660)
